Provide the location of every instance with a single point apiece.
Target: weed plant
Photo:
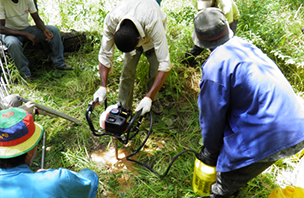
(274, 26)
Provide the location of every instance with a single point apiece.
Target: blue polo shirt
(248, 110)
(22, 182)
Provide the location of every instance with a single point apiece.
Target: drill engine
(117, 120)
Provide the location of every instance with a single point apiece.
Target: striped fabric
(16, 126)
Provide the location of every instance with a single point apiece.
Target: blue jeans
(92, 176)
(15, 48)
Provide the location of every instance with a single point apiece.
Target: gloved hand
(145, 104)
(29, 107)
(100, 94)
(208, 158)
(12, 100)
(104, 115)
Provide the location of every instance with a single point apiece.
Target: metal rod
(43, 151)
(2, 90)
(4, 86)
(116, 147)
(2, 67)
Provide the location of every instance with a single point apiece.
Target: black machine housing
(118, 120)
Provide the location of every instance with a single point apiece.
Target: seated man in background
(250, 117)
(232, 15)
(15, 30)
(19, 137)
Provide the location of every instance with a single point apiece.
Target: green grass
(275, 27)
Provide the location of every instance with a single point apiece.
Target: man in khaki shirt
(135, 26)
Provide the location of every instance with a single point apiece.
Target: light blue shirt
(248, 110)
(22, 182)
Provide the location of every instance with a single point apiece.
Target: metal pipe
(43, 151)
(51, 111)
(116, 147)
(4, 86)
(2, 67)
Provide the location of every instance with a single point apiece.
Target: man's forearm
(103, 72)
(158, 83)
(7, 31)
(39, 23)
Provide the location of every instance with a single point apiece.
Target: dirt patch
(108, 158)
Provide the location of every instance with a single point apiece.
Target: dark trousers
(229, 182)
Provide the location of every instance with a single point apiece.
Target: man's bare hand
(33, 38)
(49, 35)
(39, 170)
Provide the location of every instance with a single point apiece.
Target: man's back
(251, 101)
(21, 182)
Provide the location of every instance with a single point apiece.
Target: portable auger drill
(117, 121)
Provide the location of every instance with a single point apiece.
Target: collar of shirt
(141, 31)
(19, 169)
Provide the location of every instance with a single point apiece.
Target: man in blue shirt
(19, 136)
(250, 116)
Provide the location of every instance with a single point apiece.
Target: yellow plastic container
(288, 192)
(203, 177)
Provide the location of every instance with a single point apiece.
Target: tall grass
(275, 27)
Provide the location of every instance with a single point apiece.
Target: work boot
(189, 60)
(157, 108)
(65, 67)
(31, 79)
(212, 196)
(190, 56)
